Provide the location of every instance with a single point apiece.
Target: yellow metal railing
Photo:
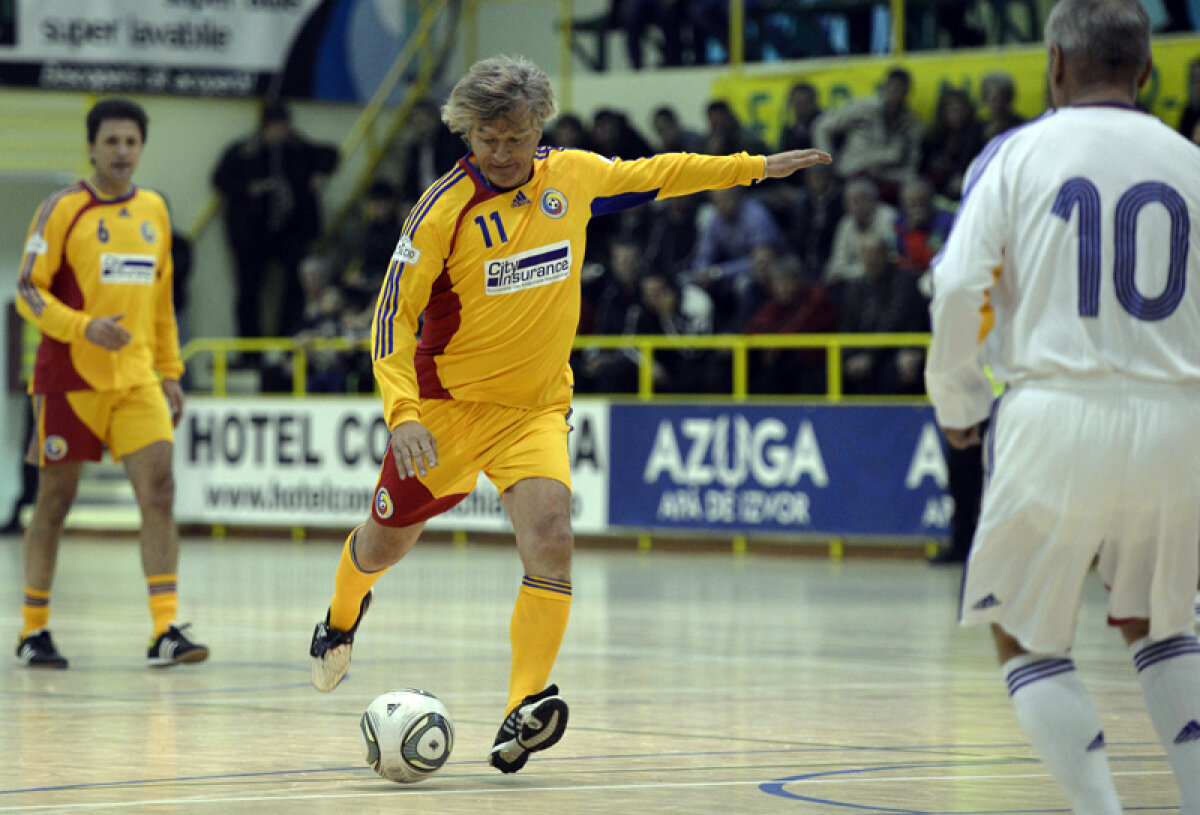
(738, 345)
(419, 45)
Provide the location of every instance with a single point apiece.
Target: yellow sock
(164, 601)
(35, 610)
(350, 586)
(539, 621)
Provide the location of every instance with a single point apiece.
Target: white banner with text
(315, 462)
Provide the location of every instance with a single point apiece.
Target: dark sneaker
(330, 650)
(172, 648)
(536, 724)
(38, 651)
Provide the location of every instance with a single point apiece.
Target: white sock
(1057, 714)
(1169, 671)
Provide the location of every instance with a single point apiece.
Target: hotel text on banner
(314, 462)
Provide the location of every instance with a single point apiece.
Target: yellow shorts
(506, 444)
(78, 425)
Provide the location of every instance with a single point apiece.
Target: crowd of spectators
(841, 248)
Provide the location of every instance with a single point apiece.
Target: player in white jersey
(1068, 272)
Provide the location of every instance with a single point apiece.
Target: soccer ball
(407, 735)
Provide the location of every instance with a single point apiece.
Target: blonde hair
(500, 88)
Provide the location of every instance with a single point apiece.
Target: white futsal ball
(407, 735)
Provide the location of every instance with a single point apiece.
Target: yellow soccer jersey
(88, 257)
(496, 273)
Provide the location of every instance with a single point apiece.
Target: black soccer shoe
(536, 724)
(330, 650)
(172, 647)
(38, 651)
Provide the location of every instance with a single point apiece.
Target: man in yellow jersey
(96, 279)
(491, 254)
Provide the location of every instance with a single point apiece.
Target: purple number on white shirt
(1082, 193)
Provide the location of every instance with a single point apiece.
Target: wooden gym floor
(698, 682)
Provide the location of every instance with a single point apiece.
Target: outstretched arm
(781, 165)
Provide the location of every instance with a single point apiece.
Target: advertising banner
(202, 47)
(314, 462)
(819, 470)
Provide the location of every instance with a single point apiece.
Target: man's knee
(377, 547)
(156, 492)
(53, 505)
(556, 534)
(550, 555)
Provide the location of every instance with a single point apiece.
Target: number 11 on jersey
(487, 235)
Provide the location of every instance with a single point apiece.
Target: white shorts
(1077, 471)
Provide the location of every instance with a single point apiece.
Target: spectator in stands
(788, 201)
(878, 136)
(952, 143)
(569, 131)
(817, 211)
(756, 291)
(1179, 15)
(328, 314)
(726, 134)
(796, 305)
(921, 227)
(859, 25)
(1190, 116)
(362, 249)
(769, 33)
(636, 17)
(181, 259)
(948, 19)
(275, 367)
(998, 92)
(615, 137)
(671, 308)
(326, 369)
(797, 133)
(865, 216)
(672, 234)
(270, 181)
(709, 26)
(615, 312)
(673, 137)
(740, 224)
(884, 300)
(429, 152)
